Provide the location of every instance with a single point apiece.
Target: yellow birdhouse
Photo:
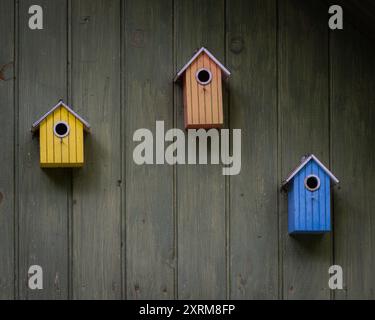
(202, 90)
(61, 137)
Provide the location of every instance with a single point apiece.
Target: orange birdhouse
(202, 90)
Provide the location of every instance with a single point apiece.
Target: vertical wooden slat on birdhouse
(72, 139)
(65, 140)
(43, 141)
(207, 92)
(79, 133)
(316, 198)
(201, 95)
(50, 139)
(309, 198)
(219, 95)
(57, 140)
(214, 92)
(187, 97)
(194, 103)
(323, 202)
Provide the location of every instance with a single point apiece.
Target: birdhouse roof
(36, 124)
(303, 163)
(203, 49)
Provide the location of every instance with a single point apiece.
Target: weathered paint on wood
(96, 212)
(304, 129)
(353, 159)
(252, 107)
(200, 189)
(7, 159)
(42, 194)
(116, 230)
(148, 93)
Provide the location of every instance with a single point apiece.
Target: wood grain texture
(72, 138)
(43, 147)
(201, 100)
(7, 244)
(113, 229)
(200, 188)
(150, 250)
(207, 92)
(186, 89)
(50, 140)
(353, 160)
(252, 107)
(57, 148)
(216, 72)
(64, 142)
(194, 92)
(304, 128)
(42, 194)
(80, 142)
(97, 186)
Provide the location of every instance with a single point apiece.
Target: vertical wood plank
(7, 139)
(148, 80)
(201, 95)
(207, 90)
(353, 160)
(253, 109)
(220, 95)
(65, 140)
(96, 188)
(57, 142)
(304, 128)
(200, 188)
(50, 139)
(187, 97)
(43, 141)
(80, 142)
(72, 138)
(214, 96)
(192, 70)
(42, 193)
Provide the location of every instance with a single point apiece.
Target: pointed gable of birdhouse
(202, 51)
(202, 90)
(303, 164)
(61, 137)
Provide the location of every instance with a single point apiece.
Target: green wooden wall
(115, 230)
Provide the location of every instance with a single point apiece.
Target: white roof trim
(203, 49)
(36, 124)
(303, 163)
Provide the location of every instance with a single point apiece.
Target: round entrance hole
(61, 129)
(312, 182)
(203, 76)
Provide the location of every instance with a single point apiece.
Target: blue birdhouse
(309, 197)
